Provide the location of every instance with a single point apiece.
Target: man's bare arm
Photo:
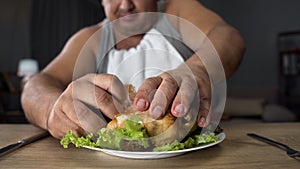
(203, 31)
(226, 40)
(41, 91)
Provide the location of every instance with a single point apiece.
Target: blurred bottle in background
(27, 67)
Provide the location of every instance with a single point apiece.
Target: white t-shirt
(154, 55)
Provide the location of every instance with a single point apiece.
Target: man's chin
(129, 18)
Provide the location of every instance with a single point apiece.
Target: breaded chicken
(161, 131)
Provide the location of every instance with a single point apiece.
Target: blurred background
(266, 87)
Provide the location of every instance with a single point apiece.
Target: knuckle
(153, 80)
(171, 82)
(149, 85)
(169, 88)
(103, 97)
(203, 81)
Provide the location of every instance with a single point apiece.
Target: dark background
(39, 28)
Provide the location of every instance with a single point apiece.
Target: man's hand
(178, 89)
(75, 108)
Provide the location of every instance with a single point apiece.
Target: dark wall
(39, 28)
(259, 22)
(53, 22)
(14, 32)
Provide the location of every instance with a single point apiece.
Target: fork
(289, 151)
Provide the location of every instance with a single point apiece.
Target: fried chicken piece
(161, 131)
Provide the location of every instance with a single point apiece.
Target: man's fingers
(163, 97)
(146, 91)
(110, 95)
(113, 85)
(184, 99)
(203, 119)
(90, 118)
(107, 105)
(59, 124)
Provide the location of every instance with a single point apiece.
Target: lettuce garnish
(115, 139)
(70, 137)
(112, 139)
(190, 142)
(134, 135)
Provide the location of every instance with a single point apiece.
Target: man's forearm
(201, 27)
(230, 46)
(218, 54)
(38, 98)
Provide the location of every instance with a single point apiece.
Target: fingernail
(179, 110)
(202, 122)
(141, 104)
(157, 112)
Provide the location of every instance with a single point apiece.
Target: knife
(21, 143)
(289, 151)
(266, 140)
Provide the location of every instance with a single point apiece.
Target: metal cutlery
(20, 143)
(289, 151)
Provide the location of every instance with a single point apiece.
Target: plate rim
(120, 153)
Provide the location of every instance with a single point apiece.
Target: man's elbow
(238, 49)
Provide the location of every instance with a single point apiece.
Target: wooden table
(237, 151)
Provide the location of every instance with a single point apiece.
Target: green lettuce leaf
(133, 131)
(112, 139)
(190, 142)
(134, 134)
(70, 137)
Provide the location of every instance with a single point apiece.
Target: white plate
(156, 155)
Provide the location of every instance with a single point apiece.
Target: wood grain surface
(237, 151)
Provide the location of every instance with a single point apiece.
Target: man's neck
(124, 42)
(129, 42)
